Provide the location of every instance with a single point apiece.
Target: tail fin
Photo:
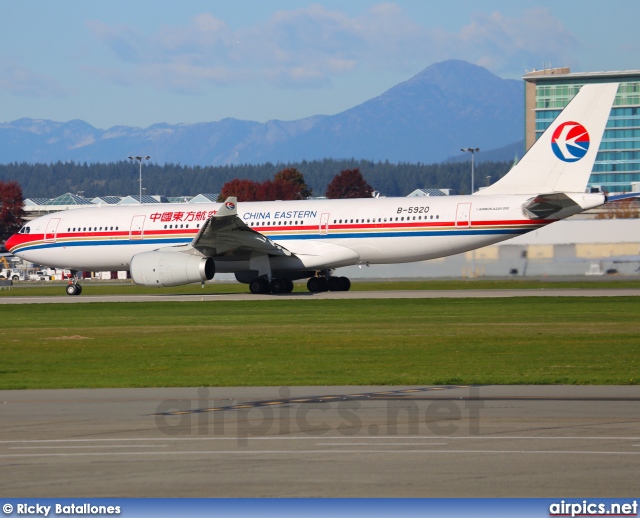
(561, 160)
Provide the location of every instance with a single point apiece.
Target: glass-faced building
(617, 164)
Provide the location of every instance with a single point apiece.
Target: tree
(293, 176)
(11, 211)
(278, 190)
(349, 184)
(627, 208)
(244, 190)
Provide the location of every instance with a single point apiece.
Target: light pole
(140, 159)
(473, 151)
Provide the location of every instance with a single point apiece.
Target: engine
(164, 269)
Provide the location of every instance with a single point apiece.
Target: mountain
(426, 119)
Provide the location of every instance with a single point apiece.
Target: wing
(225, 234)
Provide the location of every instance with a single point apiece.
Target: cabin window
(437, 217)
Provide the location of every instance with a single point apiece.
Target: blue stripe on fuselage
(345, 235)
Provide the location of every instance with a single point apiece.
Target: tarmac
(86, 297)
(426, 441)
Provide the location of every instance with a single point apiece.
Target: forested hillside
(121, 178)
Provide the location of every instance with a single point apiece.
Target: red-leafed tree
(625, 209)
(278, 190)
(244, 190)
(349, 184)
(11, 209)
(293, 176)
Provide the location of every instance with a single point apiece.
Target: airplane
(268, 245)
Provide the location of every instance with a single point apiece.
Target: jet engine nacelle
(170, 269)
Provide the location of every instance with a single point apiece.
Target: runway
(333, 295)
(427, 441)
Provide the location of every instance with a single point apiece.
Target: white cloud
(307, 47)
(18, 79)
(515, 44)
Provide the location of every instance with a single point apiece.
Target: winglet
(228, 208)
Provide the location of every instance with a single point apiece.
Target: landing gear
(262, 285)
(281, 286)
(73, 288)
(259, 285)
(319, 284)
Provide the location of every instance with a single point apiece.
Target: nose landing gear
(73, 288)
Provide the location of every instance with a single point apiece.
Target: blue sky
(137, 63)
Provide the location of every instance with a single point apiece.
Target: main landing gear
(318, 284)
(261, 285)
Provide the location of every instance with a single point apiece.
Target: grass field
(321, 342)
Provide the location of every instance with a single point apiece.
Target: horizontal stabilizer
(560, 205)
(617, 197)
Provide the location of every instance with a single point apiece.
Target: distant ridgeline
(121, 178)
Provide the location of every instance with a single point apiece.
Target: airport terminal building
(617, 165)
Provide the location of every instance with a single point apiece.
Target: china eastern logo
(570, 141)
(230, 205)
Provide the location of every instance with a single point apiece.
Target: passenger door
(324, 224)
(463, 215)
(51, 231)
(137, 228)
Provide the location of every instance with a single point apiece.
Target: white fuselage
(380, 230)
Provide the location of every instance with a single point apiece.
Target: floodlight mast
(473, 151)
(140, 159)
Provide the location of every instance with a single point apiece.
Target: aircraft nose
(11, 242)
